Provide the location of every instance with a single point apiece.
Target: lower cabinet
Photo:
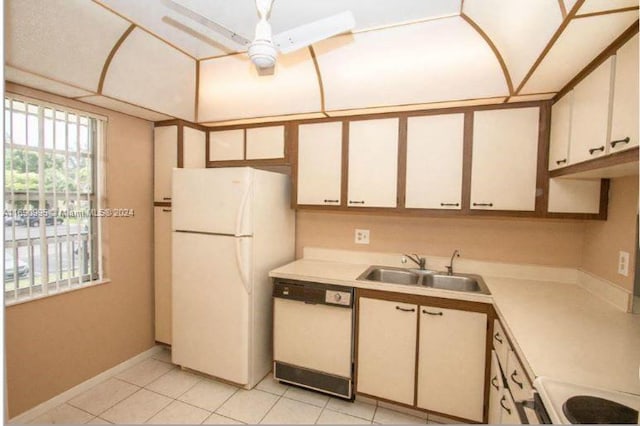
(495, 391)
(386, 348)
(445, 340)
(451, 362)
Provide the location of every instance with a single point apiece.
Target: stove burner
(593, 410)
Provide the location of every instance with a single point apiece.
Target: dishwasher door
(313, 336)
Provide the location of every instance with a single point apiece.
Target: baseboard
(38, 410)
(606, 290)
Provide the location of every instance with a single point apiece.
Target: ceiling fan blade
(240, 41)
(305, 35)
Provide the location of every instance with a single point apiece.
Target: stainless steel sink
(457, 282)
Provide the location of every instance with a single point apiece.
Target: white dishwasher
(313, 336)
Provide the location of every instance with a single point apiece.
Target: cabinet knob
(424, 311)
(483, 204)
(166, 198)
(564, 160)
(498, 338)
(356, 202)
(594, 150)
(494, 382)
(331, 201)
(166, 210)
(513, 378)
(624, 141)
(449, 204)
(502, 400)
(400, 308)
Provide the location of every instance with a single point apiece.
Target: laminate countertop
(559, 329)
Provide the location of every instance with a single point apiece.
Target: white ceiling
(403, 54)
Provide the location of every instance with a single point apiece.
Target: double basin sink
(416, 277)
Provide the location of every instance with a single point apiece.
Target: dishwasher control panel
(313, 293)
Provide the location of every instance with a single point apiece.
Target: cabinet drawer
(500, 343)
(517, 379)
(509, 415)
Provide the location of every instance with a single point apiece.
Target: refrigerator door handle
(242, 210)
(242, 267)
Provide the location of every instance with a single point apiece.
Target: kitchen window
(52, 197)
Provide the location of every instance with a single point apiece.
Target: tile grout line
(271, 408)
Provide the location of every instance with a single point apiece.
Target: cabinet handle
(331, 201)
(513, 377)
(494, 382)
(483, 204)
(405, 309)
(498, 338)
(593, 150)
(564, 160)
(624, 141)
(166, 198)
(507, 409)
(356, 202)
(166, 210)
(424, 311)
(449, 204)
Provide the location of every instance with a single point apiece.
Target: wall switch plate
(623, 263)
(362, 236)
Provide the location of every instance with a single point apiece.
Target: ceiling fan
(264, 48)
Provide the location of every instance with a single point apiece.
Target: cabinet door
(505, 157)
(319, 163)
(226, 145)
(574, 195)
(165, 159)
(373, 163)
(386, 349)
(162, 272)
(517, 380)
(560, 132)
(265, 143)
(624, 119)
(194, 146)
(451, 362)
(590, 115)
(495, 391)
(434, 161)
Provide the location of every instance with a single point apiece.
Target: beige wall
(542, 242)
(52, 344)
(604, 240)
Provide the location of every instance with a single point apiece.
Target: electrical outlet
(362, 236)
(623, 263)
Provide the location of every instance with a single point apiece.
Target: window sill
(19, 301)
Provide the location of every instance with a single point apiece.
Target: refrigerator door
(211, 314)
(215, 201)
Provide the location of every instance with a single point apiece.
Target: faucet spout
(420, 261)
(456, 253)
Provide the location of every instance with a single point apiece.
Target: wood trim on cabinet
(542, 170)
(614, 159)
(293, 159)
(114, 49)
(177, 122)
(467, 162)
(344, 180)
(598, 60)
(401, 190)
(180, 145)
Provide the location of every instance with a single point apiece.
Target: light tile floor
(155, 391)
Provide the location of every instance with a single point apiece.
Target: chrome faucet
(420, 261)
(456, 253)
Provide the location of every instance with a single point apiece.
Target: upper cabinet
(560, 132)
(247, 146)
(319, 163)
(373, 163)
(434, 162)
(194, 148)
(165, 159)
(505, 158)
(624, 117)
(590, 114)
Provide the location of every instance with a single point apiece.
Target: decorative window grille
(52, 181)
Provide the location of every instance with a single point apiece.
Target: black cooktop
(584, 409)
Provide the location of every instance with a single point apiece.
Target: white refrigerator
(231, 226)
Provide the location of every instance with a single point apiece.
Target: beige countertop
(559, 329)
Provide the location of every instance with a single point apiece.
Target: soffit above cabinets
(403, 55)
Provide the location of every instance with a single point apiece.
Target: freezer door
(211, 305)
(214, 201)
